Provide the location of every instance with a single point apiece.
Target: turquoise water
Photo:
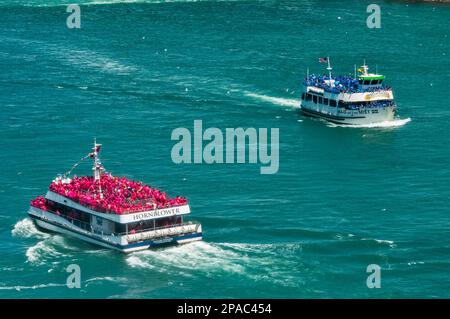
(343, 198)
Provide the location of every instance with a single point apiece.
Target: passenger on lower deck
(152, 224)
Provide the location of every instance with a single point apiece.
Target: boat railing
(191, 222)
(377, 104)
(346, 89)
(163, 232)
(74, 221)
(88, 226)
(124, 212)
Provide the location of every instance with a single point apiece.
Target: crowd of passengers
(342, 84)
(349, 106)
(83, 220)
(158, 223)
(118, 195)
(371, 105)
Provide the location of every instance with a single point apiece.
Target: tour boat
(354, 100)
(113, 212)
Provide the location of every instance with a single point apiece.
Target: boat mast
(365, 68)
(97, 168)
(329, 69)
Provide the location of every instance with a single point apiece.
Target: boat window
(315, 98)
(99, 221)
(120, 228)
(142, 226)
(380, 81)
(366, 82)
(341, 103)
(360, 103)
(320, 100)
(303, 96)
(76, 217)
(168, 222)
(325, 101)
(375, 82)
(333, 103)
(308, 97)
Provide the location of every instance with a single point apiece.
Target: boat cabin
(99, 225)
(370, 80)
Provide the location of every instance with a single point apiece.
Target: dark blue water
(343, 198)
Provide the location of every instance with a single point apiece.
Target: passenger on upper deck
(342, 84)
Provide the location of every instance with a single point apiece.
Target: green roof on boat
(371, 77)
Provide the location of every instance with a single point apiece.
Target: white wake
(259, 262)
(200, 256)
(275, 100)
(51, 285)
(25, 228)
(58, 3)
(384, 124)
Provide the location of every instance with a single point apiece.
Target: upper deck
(364, 82)
(107, 194)
(114, 195)
(347, 84)
(61, 205)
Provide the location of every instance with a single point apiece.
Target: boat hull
(45, 221)
(349, 108)
(358, 117)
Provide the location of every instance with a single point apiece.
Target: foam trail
(266, 249)
(50, 285)
(390, 243)
(94, 60)
(384, 124)
(39, 286)
(199, 255)
(26, 229)
(39, 253)
(275, 100)
(58, 3)
(253, 261)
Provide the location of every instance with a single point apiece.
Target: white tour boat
(113, 212)
(354, 100)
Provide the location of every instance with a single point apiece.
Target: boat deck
(341, 84)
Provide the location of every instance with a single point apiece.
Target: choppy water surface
(343, 198)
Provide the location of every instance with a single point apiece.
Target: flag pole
(329, 69)
(96, 168)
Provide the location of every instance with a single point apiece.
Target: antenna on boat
(307, 73)
(355, 70)
(329, 68)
